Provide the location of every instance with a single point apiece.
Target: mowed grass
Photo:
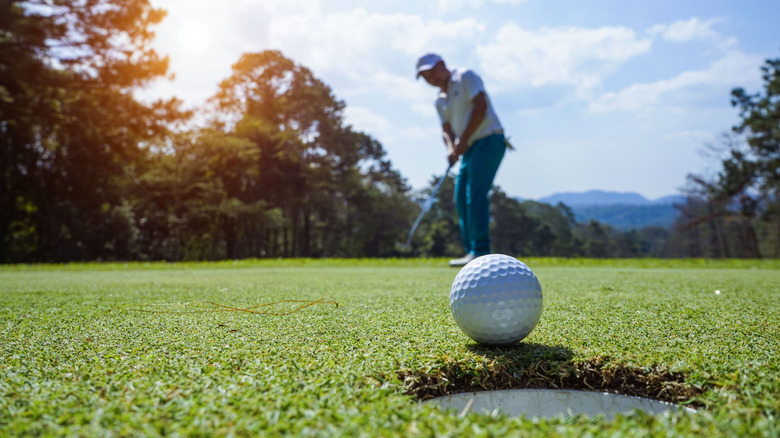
(78, 356)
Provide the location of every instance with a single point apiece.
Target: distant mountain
(601, 197)
(669, 200)
(626, 217)
(623, 211)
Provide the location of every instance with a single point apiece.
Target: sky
(595, 95)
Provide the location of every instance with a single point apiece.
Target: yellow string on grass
(225, 308)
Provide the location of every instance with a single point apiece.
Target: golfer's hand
(461, 147)
(452, 159)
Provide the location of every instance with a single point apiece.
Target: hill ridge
(603, 197)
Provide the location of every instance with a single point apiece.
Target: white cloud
(444, 6)
(668, 83)
(424, 108)
(363, 53)
(683, 31)
(734, 69)
(278, 7)
(419, 133)
(357, 42)
(365, 120)
(698, 137)
(561, 55)
(694, 29)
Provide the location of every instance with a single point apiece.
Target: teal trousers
(478, 168)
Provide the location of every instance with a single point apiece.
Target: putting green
(79, 357)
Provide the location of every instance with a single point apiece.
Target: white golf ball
(496, 300)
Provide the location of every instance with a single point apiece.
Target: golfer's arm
(449, 137)
(477, 116)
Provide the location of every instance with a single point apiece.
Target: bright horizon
(595, 96)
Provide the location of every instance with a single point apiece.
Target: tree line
(736, 212)
(89, 172)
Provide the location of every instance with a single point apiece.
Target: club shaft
(427, 206)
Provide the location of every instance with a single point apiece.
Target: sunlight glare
(195, 36)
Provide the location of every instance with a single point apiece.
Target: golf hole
(546, 403)
(544, 381)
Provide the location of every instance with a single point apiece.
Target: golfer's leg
(461, 202)
(485, 159)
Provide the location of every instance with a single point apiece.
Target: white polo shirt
(455, 105)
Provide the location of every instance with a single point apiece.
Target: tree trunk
(750, 239)
(306, 233)
(694, 242)
(230, 238)
(777, 237)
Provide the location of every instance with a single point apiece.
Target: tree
(596, 239)
(743, 200)
(337, 192)
(439, 232)
(760, 115)
(513, 231)
(758, 169)
(558, 223)
(66, 160)
(531, 228)
(655, 242)
(198, 201)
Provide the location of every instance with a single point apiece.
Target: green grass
(77, 358)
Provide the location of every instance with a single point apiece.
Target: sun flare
(194, 36)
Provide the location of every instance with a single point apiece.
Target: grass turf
(77, 357)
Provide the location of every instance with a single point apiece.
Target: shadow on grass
(523, 353)
(539, 366)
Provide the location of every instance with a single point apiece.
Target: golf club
(426, 207)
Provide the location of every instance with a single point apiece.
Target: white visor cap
(427, 62)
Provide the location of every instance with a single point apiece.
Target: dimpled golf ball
(496, 300)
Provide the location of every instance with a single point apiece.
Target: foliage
(88, 172)
(438, 234)
(531, 228)
(68, 162)
(277, 174)
(737, 213)
(336, 190)
(761, 121)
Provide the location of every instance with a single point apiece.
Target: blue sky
(601, 94)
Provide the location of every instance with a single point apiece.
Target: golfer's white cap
(427, 62)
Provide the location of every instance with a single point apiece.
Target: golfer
(472, 132)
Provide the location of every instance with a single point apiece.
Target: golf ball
(496, 300)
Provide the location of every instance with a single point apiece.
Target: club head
(403, 247)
